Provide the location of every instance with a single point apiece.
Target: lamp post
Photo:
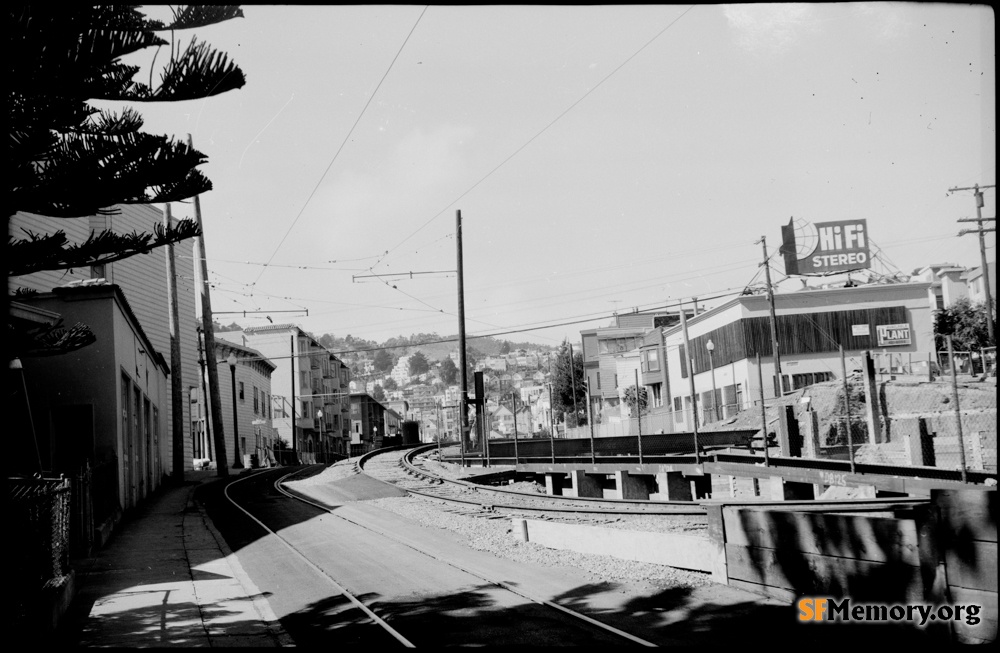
(710, 346)
(237, 459)
(319, 416)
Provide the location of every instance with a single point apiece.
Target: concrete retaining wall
(672, 549)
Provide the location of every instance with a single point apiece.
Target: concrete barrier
(672, 549)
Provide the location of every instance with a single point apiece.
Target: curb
(263, 608)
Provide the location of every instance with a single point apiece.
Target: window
(241, 391)
(256, 401)
(651, 361)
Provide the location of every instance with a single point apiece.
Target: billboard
(824, 247)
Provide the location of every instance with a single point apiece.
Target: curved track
(404, 469)
(540, 616)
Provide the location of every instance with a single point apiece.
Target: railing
(40, 515)
(948, 424)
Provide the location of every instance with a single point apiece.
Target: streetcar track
(370, 613)
(492, 581)
(340, 588)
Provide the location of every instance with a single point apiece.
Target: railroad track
(585, 627)
(405, 469)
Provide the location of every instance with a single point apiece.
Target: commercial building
(812, 326)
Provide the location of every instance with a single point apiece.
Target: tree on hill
(390, 384)
(68, 159)
(505, 348)
(378, 393)
(449, 371)
(564, 375)
(418, 364)
(966, 323)
(383, 361)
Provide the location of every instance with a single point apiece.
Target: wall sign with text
(891, 335)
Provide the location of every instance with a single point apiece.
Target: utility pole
(779, 390)
(978, 194)
(222, 466)
(291, 360)
(204, 396)
(689, 363)
(572, 379)
(176, 382)
(464, 404)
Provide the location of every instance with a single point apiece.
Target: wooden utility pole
(176, 382)
(572, 380)
(291, 360)
(689, 363)
(978, 193)
(464, 403)
(778, 388)
(221, 464)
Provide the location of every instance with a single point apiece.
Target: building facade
(310, 398)
(142, 281)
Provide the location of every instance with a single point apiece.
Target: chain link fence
(41, 514)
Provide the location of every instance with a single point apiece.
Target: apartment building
(311, 388)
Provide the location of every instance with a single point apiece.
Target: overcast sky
(603, 157)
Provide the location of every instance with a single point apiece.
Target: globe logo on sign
(806, 237)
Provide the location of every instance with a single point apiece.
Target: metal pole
(513, 409)
(638, 414)
(461, 336)
(958, 412)
(593, 458)
(206, 323)
(552, 426)
(763, 409)
(715, 403)
(847, 408)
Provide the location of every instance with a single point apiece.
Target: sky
(604, 158)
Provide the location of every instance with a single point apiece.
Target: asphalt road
(418, 580)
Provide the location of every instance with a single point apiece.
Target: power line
(339, 149)
(539, 133)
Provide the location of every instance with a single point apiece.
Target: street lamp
(710, 346)
(237, 459)
(319, 416)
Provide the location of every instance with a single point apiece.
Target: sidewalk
(167, 578)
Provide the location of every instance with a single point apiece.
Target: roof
(223, 343)
(106, 290)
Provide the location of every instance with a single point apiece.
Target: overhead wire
(539, 133)
(342, 144)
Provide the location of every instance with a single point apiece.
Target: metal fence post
(638, 414)
(763, 411)
(958, 411)
(847, 408)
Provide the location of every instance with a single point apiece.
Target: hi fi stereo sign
(825, 247)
